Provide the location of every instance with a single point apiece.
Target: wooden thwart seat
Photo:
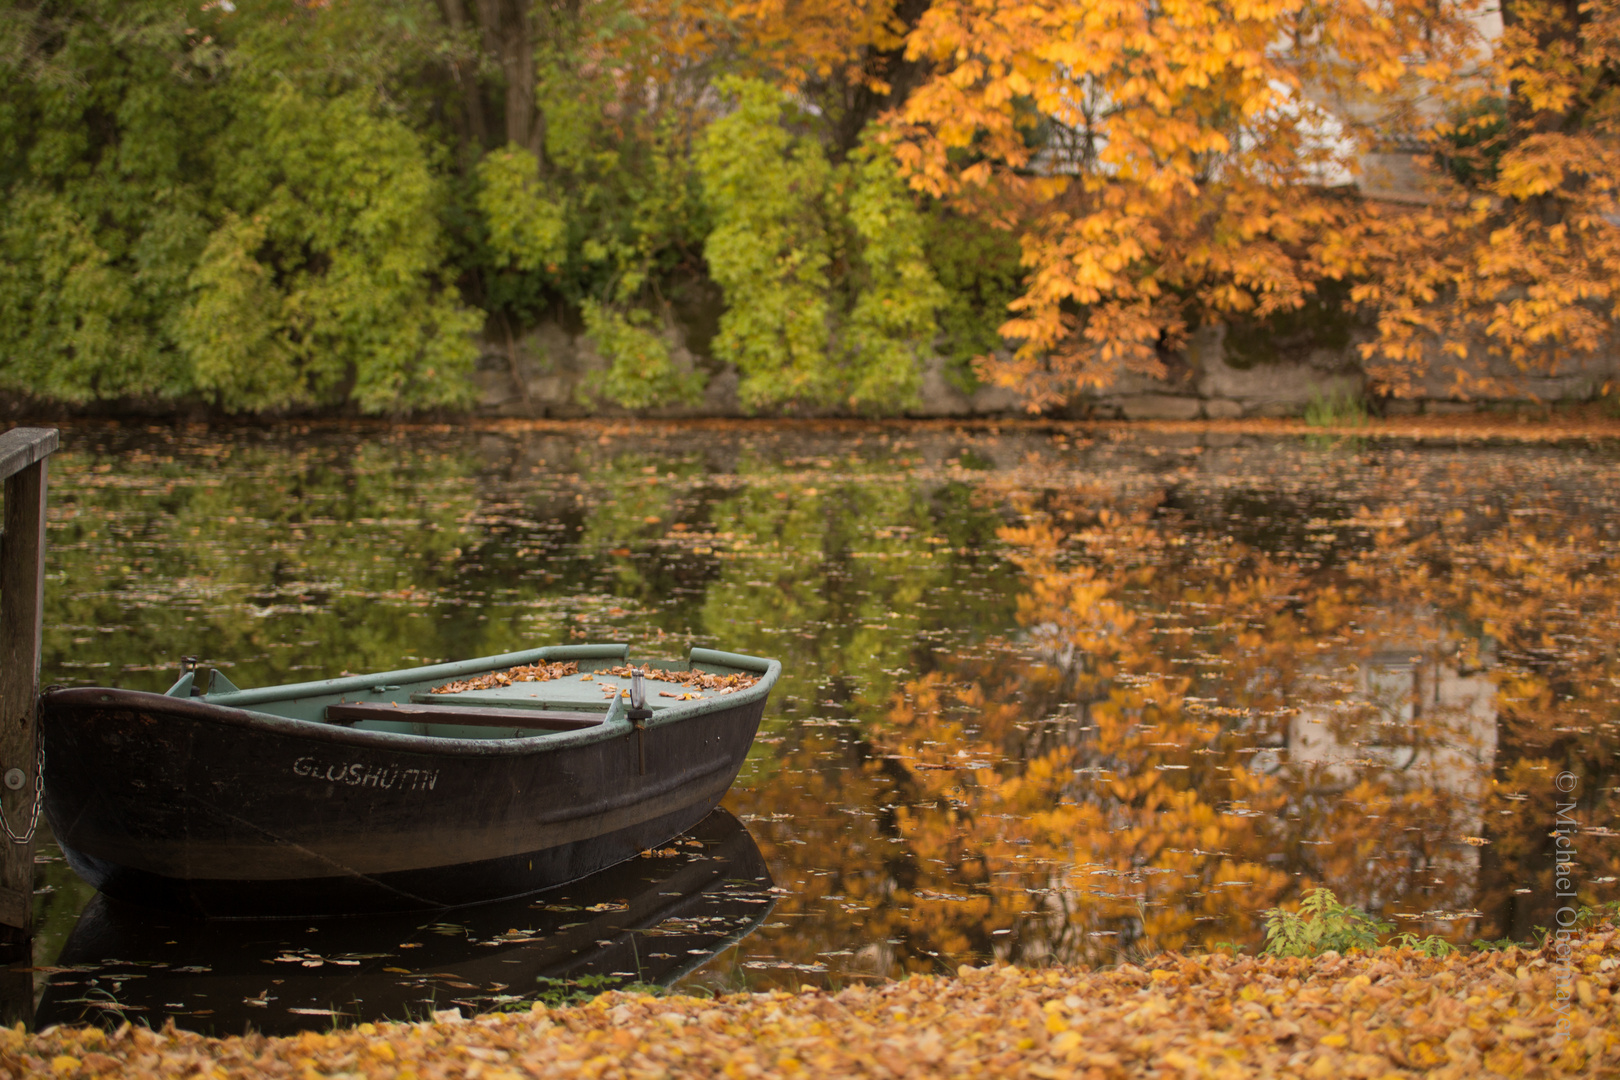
(470, 716)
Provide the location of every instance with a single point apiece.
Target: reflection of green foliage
(1322, 923)
(635, 502)
(59, 896)
(840, 580)
(837, 580)
(316, 559)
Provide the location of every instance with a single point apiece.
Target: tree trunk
(464, 71)
(508, 34)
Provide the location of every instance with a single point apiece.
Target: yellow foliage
(1167, 165)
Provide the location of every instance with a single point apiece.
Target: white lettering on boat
(359, 774)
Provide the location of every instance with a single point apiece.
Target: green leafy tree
(769, 250)
(221, 201)
(603, 217)
(324, 281)
(641, 370)
(285, 204)
(106, 116)
(896, 293)
(526, 225)
(828, 291)
(980, 273)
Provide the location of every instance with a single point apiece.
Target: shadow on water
(645, 922)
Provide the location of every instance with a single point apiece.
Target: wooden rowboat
(429, 787)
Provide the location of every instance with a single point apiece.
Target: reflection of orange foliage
(1125, 798)
(1545, 589)
(1187, 731)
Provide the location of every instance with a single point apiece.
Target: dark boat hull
(182, 804)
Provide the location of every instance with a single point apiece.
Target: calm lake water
(1050, 695)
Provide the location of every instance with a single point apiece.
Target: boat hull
(182, 804)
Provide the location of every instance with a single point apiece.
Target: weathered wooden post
(23, 458)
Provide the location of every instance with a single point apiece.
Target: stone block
(996, 401)
(1159, 407)
(548, 390)
(494, 388)
(937, 396)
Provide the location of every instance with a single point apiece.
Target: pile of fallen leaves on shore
(702, 680)
(1389, 1013)
(540, 672)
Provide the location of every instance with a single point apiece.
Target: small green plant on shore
(1586, 917)
(1499, 945)
(1434, 946)
(1321, 924)
(1341, 408)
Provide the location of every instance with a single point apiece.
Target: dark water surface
(1048, 695)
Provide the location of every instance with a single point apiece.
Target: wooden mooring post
(24, 454)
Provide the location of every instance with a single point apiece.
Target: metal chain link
(39, 799)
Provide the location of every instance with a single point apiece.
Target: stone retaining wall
(544, 373)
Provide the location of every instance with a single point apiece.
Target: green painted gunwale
(299, 708)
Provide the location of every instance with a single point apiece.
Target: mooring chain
(39, 800)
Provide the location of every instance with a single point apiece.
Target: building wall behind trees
(866, 207)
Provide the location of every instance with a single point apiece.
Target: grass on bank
(1340, 409)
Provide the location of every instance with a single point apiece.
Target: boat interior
(458, 700)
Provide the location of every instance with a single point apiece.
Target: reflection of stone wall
(543, 373)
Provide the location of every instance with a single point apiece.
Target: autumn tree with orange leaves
(1165, 166)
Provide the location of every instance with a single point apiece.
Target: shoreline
(1522, 427)
(1387, 1013)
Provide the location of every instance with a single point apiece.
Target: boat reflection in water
(649, 920)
